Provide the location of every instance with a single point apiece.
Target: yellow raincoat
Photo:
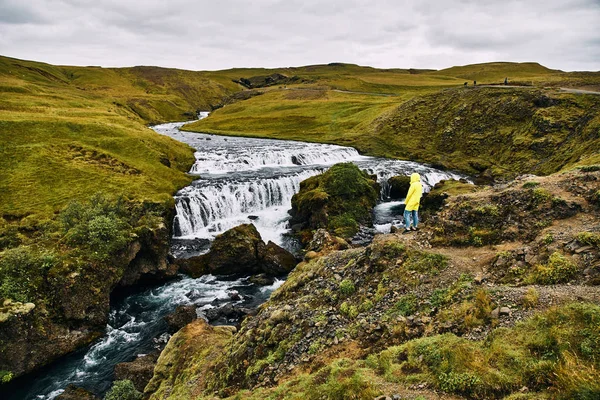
(413, 198)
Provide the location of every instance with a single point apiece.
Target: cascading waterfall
(245, 179)
(213, 206)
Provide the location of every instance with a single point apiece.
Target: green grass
(500, 130)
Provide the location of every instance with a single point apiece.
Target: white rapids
(243, 180)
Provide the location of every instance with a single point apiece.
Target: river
(240, 180)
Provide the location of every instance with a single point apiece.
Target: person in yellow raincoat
(413, 199)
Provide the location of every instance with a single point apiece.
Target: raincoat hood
(415, 178)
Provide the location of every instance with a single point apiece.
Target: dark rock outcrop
(73, 392)
(138, 371)
(240, 251)
(399, 186)
(182, 316)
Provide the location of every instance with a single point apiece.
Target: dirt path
(578, 91)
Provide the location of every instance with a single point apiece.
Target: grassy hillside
(68, 132)
(510, 130)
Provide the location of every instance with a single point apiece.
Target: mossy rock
(240, 251)
(338, 200)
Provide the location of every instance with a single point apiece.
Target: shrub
(590, 168)
(101, 226)
(347, 287)
(530, 298)
(558, 269)
(5, 376)
(589, 238)
(548, 239)
(461, 383)
(22, 273)
(530, 185)
(407, 305)
(348, 310)
(430, 263)
(123, 390)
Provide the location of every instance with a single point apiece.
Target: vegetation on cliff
(410, 314)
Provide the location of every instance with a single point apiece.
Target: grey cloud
(15, 12)
(271, 33)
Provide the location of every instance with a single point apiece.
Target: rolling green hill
(86, 187)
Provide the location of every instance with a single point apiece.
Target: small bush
(366, 306)
(99, 225)
(348, 310)
(548, 239)
(407, 305)
(590, 168)
(22, 273)
(530, 185)
(428, 263)
(123, 390)
(541, 196)
(347, 287)
(558, 269)
(439, 298)
(589, 238)
(460, 383)
(5, 376)
(530, 298)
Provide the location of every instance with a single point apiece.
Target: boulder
(138, 371)
(240, 251)
(182, 316)
(262, 280)
(276, 260)
(232, 252)
(339, 200)
(73, 392)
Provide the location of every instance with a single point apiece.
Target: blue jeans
(407, 216)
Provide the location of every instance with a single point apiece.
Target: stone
(399, 186)
(73, 392)
(240, 251)
(495, 313)
(182, 316)
(138, 371)
(276, 260)
(504, 311)
(262, 279)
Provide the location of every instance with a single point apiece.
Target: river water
(240, 180)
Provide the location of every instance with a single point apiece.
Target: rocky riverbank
(505, 276)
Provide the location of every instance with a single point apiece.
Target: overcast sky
(220, 34)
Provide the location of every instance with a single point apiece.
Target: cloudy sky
(209, 35)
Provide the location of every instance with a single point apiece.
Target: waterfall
(210, 207)
(223, 159)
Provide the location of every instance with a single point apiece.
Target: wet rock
(262, 280)
(183, 248)
(234, 295)
(73, 392)
(240, 251)
(138, 371)
(227, 313)
(182, 316)
(276, 261)
(338, 200)
(253, 217)
(399, 186)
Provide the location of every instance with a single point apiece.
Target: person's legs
(415, 218)
(407, 215)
